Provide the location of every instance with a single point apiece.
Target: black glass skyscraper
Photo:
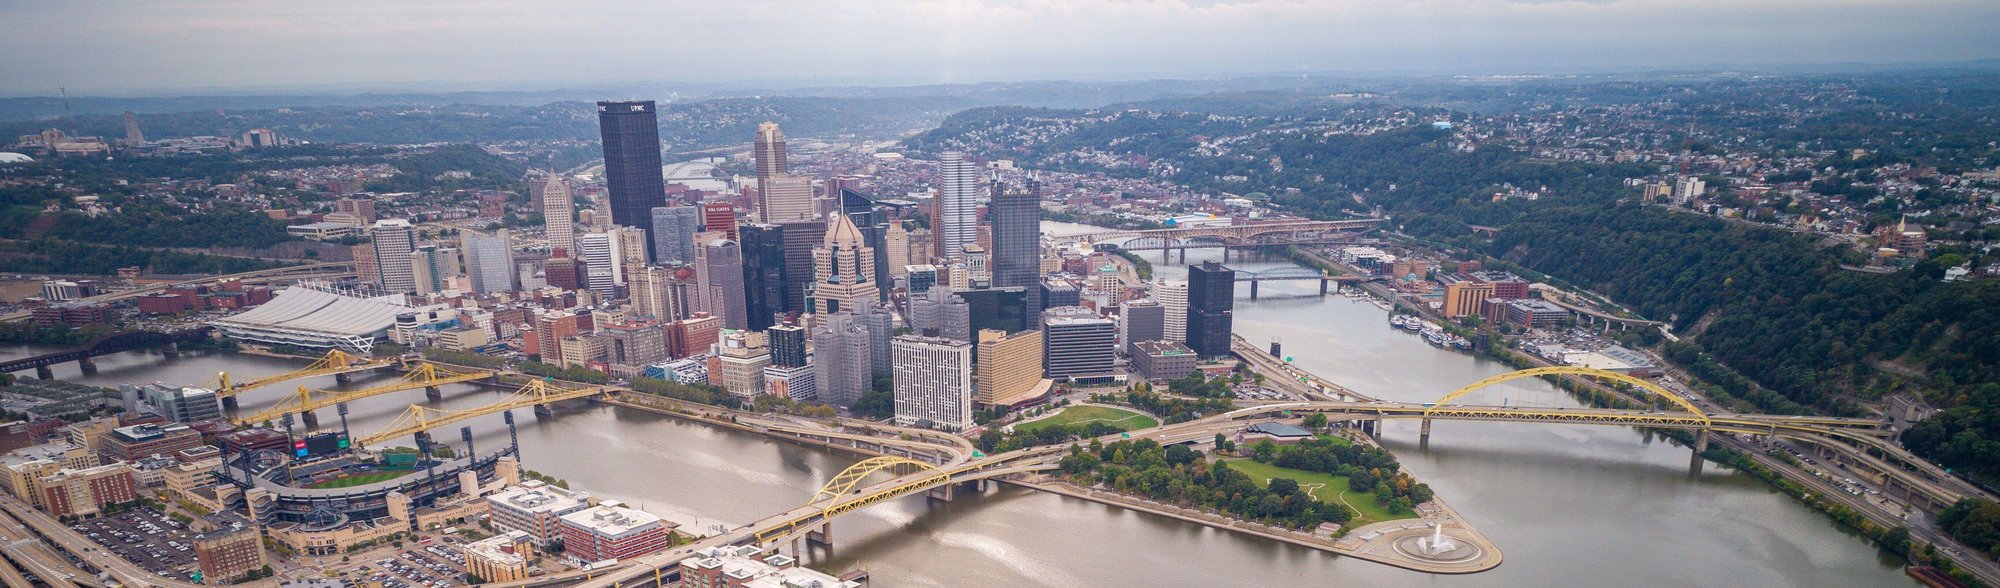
(788, 345)
(631, 135)
(1017, 247)
(1211, 305)
(763, 274)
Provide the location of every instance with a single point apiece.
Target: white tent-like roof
(310, 317)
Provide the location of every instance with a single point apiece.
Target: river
(1569, 505)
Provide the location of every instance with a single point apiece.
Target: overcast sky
(164, 45)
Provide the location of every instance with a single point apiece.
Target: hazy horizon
(159, 47)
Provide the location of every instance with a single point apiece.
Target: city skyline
(375, 46)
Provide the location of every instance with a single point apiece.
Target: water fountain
(1437, 544)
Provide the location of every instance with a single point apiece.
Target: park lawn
(361, 479)
(1123, 419)
(1333, 490)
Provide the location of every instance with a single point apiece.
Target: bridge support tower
(1425, 436)
(433, 393)
(229, 403)
(45, 372)
(544, 410)
(311, 420)
(87, 364)
(1253, 289)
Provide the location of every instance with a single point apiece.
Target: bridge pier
(1700, 445)
(229, 403)
(1253, 289)
(87, 364)
(1425, 436)
(1322, 286)
(343, 379)
(312, 420)
(943, 493)
(45, 372)
(822, 536)
(433, 393)
(544, 410)
(172, 350)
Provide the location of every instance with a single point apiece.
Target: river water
(1569, 505)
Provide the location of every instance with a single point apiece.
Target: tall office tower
(958, 205)
(719, 217)
(880, 321)
(1059, 292)
(703, 297)
(923, 245)
(843, 269)
(764, 276)
(603, 265)
(559, 215)
(737, 363)
(1173, 296)
(654, 294)
(132, 134)
(632, 247)
(631, 133)
(600, 216)
(721, 275)
(875, 231)
(1141, 320)
(995, 308)
(433, 268)
(927, 312)
(786, 198)
(895, 250)
(1009, 367)
(394, 240)
(1017, 240)
(769, 152)
(1211, 308)
(631, 346)
(955, 319)
(933, 382)
(550, 329)
(788, 345)
(1080, 344)
(673, 233)
(489, 261)
(978, 266)
(841, 359)
(800, 238)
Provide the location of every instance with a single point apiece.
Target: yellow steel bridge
(424, 375)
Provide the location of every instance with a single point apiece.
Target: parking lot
(144, 537)
(430, 566)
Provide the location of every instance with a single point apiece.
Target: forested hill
(683, 125)
(1774, 306)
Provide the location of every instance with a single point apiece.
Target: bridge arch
(1570, 370)
(848, 479)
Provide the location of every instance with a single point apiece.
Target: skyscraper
(489, 261)
(841, 359)
(1211, 306)
(720, 272)
(719, 217)
(764, 276)
(880, 321)
(603, 264)
(788, 345)
(394, 240)
(559, 215)
(1080, 344)
(786, 198)
(1017, 241)
(843, 269)
(1173, 295)
(933, 382)
(799, 240)
(1141, 320)
(631, 135)
(958, 206)
(781, 196)
(432, 268)
(673, 233)
(769, 151)
(1010, 368)
(656, 294)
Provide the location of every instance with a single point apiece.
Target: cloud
(188, 44)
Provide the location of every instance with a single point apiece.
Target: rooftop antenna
(65, 97)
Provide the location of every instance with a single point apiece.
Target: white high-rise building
(786, 198)
(559, 215)
(1688, 188)
(489, 261)
(604, 264)
(933, 382)
(394, 240)
(1173, 294)
(958, 203)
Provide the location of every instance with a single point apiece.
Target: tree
(876, 404)
(1284, 486)
(1316, 421)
